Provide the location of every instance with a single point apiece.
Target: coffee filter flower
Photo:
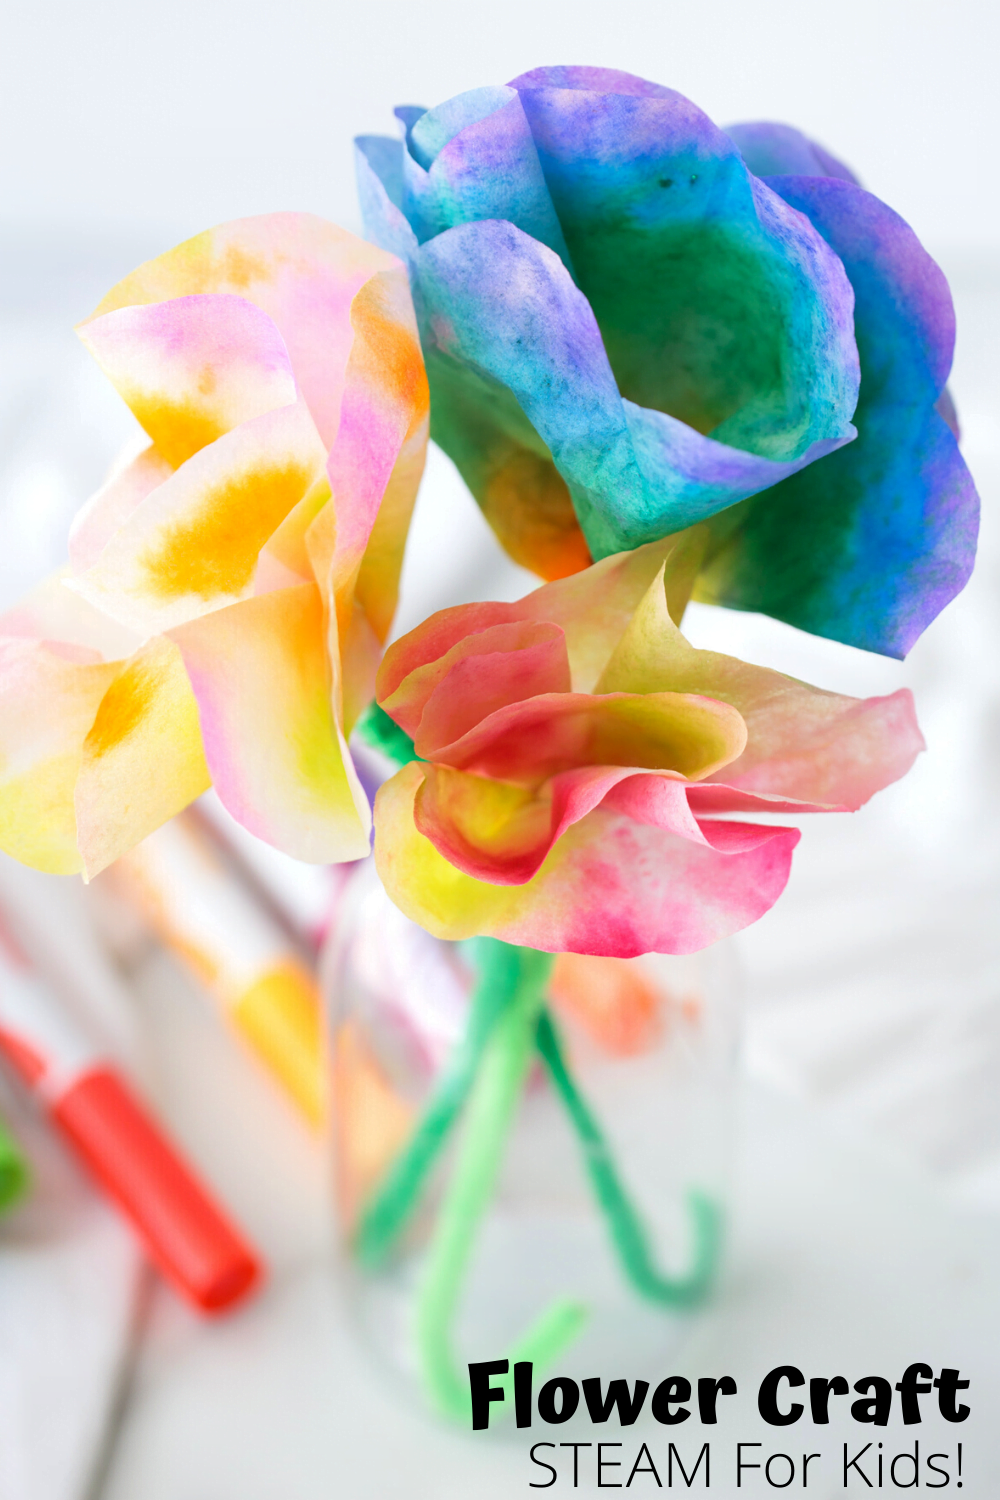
(246, 562)
(628, 331)
(581, 763)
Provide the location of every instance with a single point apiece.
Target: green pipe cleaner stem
(377, 729)
(628, 1234)
(492, 1107)
(389, 1211)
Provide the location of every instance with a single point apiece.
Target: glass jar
(549, 1187)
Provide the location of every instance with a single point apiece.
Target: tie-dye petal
(647, 182)
(377, 585)
(592, 80)
(383, 413)
(474, 158)
(610, 886)
(502, 833)
(504, 307)
(96, 522)
(499, 664)
(478, 423)
(592, 610)
(540, 737)
(192, 545)
(143, 759)
(49, 698)
(493, 830)
(298, 269)
(110, 748)
(278, 760)
(378, 161)
(287, 547)
(773, 150)
(193, 368)
(872, 543)
(778, 389)
(53, 613)
(802, 743)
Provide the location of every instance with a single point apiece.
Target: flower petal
(376, 462)
(592, 80)
(192, 545)
(503, 833)
(192, 368)
(591, 608)
(96, 522)
(870, 544)
(716, 303)
(504, 311)
(143, 759)
(47, 706)
(277, 756)
(773, 150)
(557, 732)
(802, 743)
(307, 293)
(378, 161)
(473, 158)
(610, 886)
(56, 615)
(483, 671)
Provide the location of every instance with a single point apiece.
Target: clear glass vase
(531, 1172)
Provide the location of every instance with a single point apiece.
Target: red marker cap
(184, 1232)
(186, 1236)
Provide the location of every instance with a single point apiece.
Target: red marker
(186, 1236)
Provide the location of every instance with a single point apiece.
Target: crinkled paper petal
(716, 303)
(54, 613)
(554, 732)
(802, 743)
(277, 756)
(192, 368)
(592, 609)
(96, 522)
(375, 465)
(485, 670)
(502, 833)
(378, 161)
(192, 545)
(610, 886)
(48, 701)
(503, 309)
(307, 293)
(143, 759)
(474, 158)
(869, 545)
(773, 150)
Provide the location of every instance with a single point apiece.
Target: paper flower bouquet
(670, 362)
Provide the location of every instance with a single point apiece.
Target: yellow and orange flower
(230, 589)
